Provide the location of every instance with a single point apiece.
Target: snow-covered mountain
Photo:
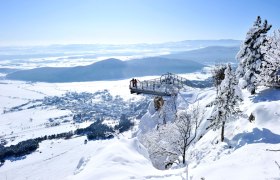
(81, 128)
(247, 153)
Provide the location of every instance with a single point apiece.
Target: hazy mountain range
(114, 69)
(110, 69)
(209, 55)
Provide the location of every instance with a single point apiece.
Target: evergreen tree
(226, 102)
(272, 58)
(251, 57)
(218, 75)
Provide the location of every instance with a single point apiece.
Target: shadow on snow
(271, 94)
(256, 136)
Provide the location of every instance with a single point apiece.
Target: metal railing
(168, 83)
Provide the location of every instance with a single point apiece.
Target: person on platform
(135, 83)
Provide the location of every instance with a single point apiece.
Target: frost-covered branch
(251, 57)
(170, 141)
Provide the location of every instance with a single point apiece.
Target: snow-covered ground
(243, 155)
(69, 159)
(72, 159)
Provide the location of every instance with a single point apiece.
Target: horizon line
(111, 44)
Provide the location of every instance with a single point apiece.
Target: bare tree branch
(277, 164)
(272, 149)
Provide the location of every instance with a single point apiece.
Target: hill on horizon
(115, 69)
(209, 55)
(110, 69)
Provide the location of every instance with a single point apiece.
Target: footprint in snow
(81, 165)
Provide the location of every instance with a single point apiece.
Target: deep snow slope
(245, 153)
(72, 159)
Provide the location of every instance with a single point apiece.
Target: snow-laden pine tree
(251, 56)
(272, 58)
(218, 75)
(227, 101)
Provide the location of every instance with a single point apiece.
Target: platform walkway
(167, 85)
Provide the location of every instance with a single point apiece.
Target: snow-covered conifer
(227, 101)
(218, 75)
(272, 58)
(251, 57)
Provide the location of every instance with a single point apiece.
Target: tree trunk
(184, 155)
(253, 91)
(223, 132)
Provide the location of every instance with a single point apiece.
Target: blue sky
(30, 22)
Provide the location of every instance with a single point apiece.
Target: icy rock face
(155, 126)
(158, 102)
(154, 117)
(149, 120)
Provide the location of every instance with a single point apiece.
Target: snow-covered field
(243, 155)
